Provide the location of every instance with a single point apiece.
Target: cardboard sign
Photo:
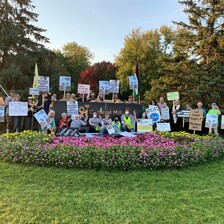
(104, 87)
(18, 109)
(144, 125)
(153, 113)
(64, 83)
(173, 96)
(41, 118)
(83, 88)
(195, 121)
(43, 83)
(133, 82)
(72, 108)
(64, 132)
(211, 121)
(114, 86)
(165, 113)
(163, 127)
(222, 122)
(2, 113)
(34, 91)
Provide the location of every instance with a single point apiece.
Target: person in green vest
(127, 121)
(215, 111)
(116, 124)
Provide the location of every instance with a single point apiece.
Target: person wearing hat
(215, 111)
(29, 117)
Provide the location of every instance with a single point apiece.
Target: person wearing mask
(200, 107)
(95, 123)
(29, 117)
(51, 121)
(106, 123)
(18, 120)
(78, 123)
(63, 123)
(91, 97)
(162, 103)
(116, 124)
(9, 119)
(215, 111)
(127, 121)
(174, 120)
(144, 116)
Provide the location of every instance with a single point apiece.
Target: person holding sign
(116, 124)
(2, 103)
(106, 123)
(91, 97)
(162, 103)
(175, 121)
(127, 121)
(31, 110)
(215, 111)
(18, 121)
(44, 102)
(200, 104)
(51, 121)
(95, 123)
(63, 123)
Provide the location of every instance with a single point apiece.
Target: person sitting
(91, 97)
(106, 123)
(130, 99)
(144, 116)
(94, 123)
(101, 98)
(116, 124)
(77, 123)
(51, 121)
(127, 121)
(63, 123)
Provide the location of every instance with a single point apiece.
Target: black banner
(67, 132)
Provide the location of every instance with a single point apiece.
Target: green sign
(173, 96)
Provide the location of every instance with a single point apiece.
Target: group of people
(97, 123)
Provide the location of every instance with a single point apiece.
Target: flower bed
(149, 151)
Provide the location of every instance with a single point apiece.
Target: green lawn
(30, 194)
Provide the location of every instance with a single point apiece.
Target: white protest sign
(165, 113)
(104, 87)
(114, 86)
(211, 121)
(163, 127)
(43, 83)
(42, 118)
(153, 113)
(133, 82)
(222, 122)
(83, 88)
(144, 125)
(2, 113)
(34, 91)
(72, 108)
(110, 130)
(18, 108)
(64, 83)
(173, 96)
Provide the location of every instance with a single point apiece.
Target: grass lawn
(31, 194)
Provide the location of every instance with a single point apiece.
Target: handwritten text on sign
(195, 122)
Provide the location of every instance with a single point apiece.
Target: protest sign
(72, 108)
(144, 125)
(211, 121)
(133, 82)
(2, 113)
(183, 113)
(153, 113)
(18, 108)
(34, 91)
(41, 118)
(43, 83)
(165, 113)
(104, 87)
(163, 127)
(173, 96)
(64, 83)
(64, 132)
(195, 121)
(222, 122)
(83, 88)
(110, 130)
(114, 86)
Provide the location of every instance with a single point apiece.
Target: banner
(195, 121)
(133, 82)
(72, 108)
(153, 113)
(64, 83)
(42, 117)
(173, 96)
(211, 121)
(43, 83)
(34, 91)
(222, 122)
(163, 127)
(2, 113)
(64, 132)
(104, 87)
(183, 113)
(165, 113)
(144, 125)
(18, 109)
(114, 86)
(83, 88)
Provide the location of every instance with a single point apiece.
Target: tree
(98, 71)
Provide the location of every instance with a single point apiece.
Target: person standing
(162, 103)
(200, 107)
(29, 118)
(2, 103)
(215, 111)
(18, 120)
(127, 121)
(175, 121)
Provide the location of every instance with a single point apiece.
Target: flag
(35, 79)
(137, 75)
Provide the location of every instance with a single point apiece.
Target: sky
(101, 25)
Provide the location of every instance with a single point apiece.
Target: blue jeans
(18, 124)
(124, 128)
(103, 131)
